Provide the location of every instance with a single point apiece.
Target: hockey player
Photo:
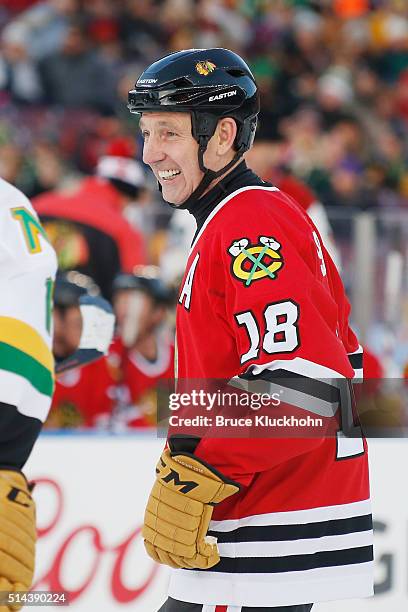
(78, 401)
(27, 270)
(143, 351)
(267, 523)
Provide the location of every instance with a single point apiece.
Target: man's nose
(152, 151)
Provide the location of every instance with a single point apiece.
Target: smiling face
(172, 153)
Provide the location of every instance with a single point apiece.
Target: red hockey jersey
(262, 298)
(83, 397)
(137, 381)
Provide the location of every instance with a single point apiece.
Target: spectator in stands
(141, 30)
(11, 162)
(84, 396)
(143, 353)
(19, 76)
(47, 169)
(45, 24)
(318, 67)
(76, 76)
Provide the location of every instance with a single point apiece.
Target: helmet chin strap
(209, 175)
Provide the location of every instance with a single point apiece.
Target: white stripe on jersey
(296, 547)
(153, 368)
(300, 399)
(357, 351)
(319, 397)
(296, 517)
(336, 566)
(18, 392)
(298, 365)
(263, 590)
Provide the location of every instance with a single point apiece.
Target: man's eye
(171, 134)
(144, 134)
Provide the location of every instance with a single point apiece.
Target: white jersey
(28, 266)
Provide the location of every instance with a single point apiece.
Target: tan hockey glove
(17, 535)
(179, 511)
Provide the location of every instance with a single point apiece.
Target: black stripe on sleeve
(294, 563)
(304, 531)
(356, 361)
(297, 382)
(18, 434)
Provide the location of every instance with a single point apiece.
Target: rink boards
(91, 494)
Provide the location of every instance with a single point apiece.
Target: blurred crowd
(333, 77)
(118, 392)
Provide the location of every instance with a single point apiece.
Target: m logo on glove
(179, 511)
(187, 485)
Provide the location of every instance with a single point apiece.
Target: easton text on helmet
(220, 96)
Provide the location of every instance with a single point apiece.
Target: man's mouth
(168, 175)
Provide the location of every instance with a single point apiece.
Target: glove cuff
(181, 444)
(195, 478)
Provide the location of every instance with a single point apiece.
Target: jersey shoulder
(11, 197)
(252, 207)
(257, 215)
(23, 240)
(13, 206)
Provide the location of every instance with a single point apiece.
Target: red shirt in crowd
(83, 397)
(138, 379)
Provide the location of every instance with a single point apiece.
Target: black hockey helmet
(209, 84)
(146, 279)
(71, 286)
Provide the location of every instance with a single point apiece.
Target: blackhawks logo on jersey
(205, 67)
(253, 262)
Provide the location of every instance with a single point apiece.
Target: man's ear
(226, 133)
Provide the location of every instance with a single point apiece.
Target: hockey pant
(173, 605)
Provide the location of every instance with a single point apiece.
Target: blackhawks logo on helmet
(253, 262)
(205, 67)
